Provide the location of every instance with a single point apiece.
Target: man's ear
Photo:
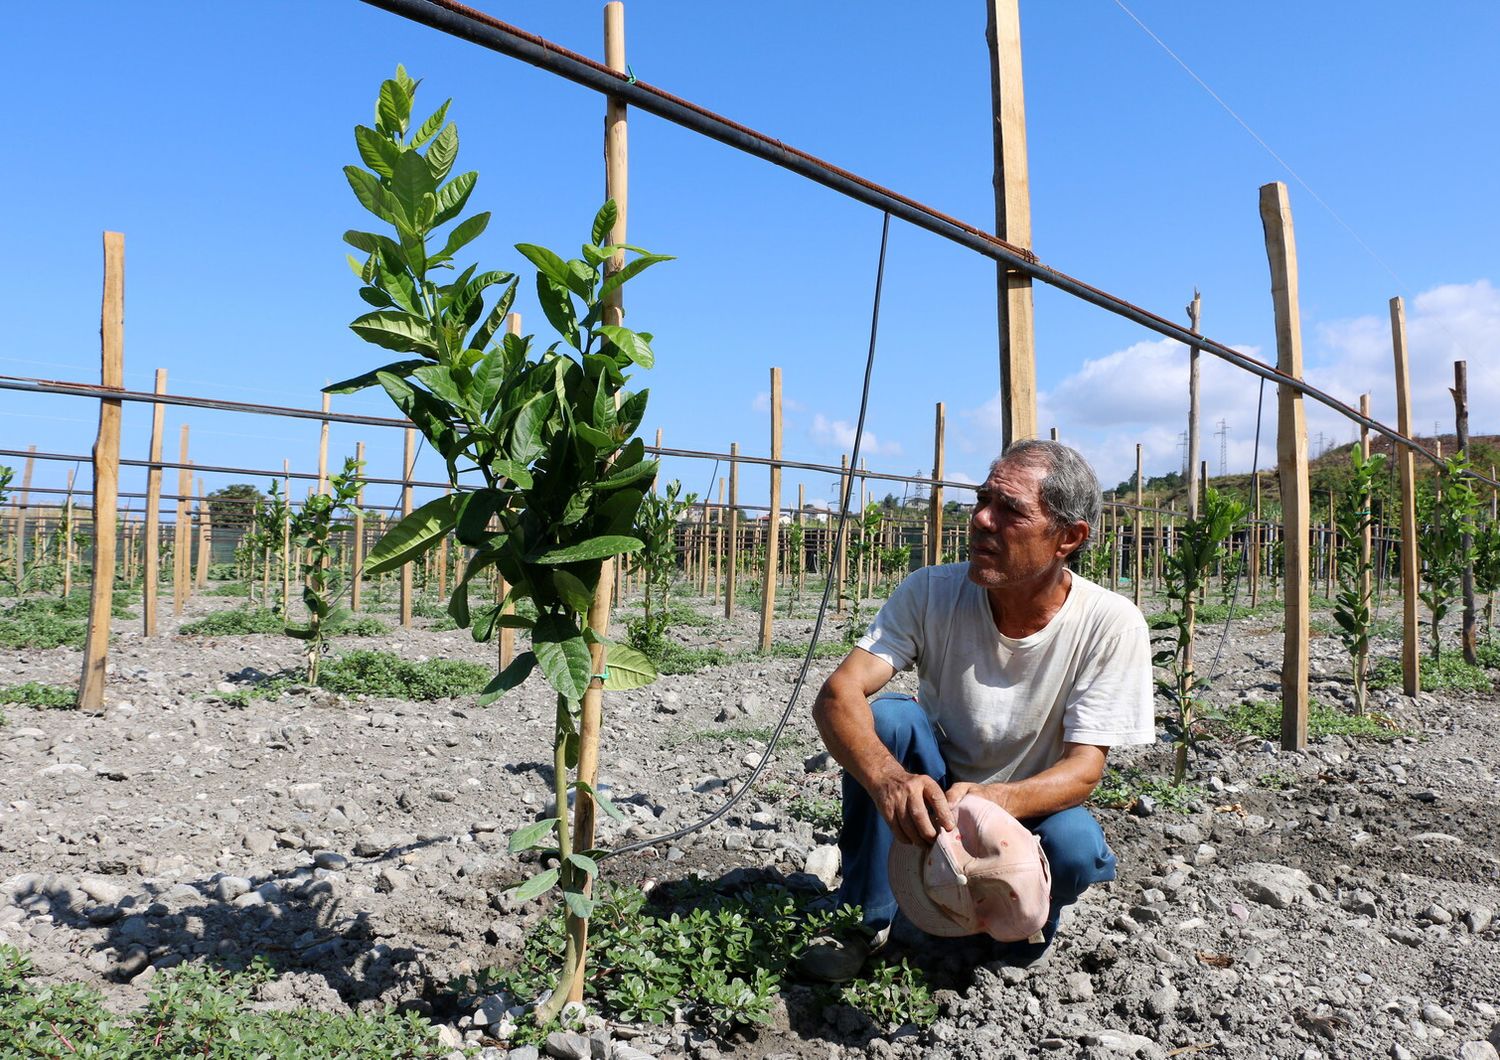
(1073, 538)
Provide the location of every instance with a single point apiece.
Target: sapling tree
(656, 562)
(1487, 570)
(270, 516)
(796, 543)
(540, 445)
(312, 533)
(1446, 508)
(1353, 608)
(1200, 542)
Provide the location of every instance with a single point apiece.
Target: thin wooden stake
(773, 520)
(1411, 658)
(1291, 452)
(106, 477)
(357, 559)
(67, 541)
(200, 578)
(1466, 540)
(286, 541)
(182, 543)
(732, 548)
(408, 471)
(323, 451)
(935, 500)
(153, 511)
(1012, 220)
(1137, 522)
(1194, 311)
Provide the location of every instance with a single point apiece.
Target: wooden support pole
(286, 541)
(1194, 311)
(841, 545)
(935, 499)
(719, 543)
(323, 451)
(153, 512)
(1137, 521)
(200, 578)
(1291, 453)
(773, 520)
(1012, 220)
(802, 522)
(1330, 559)
(106, 477)
(357, 559)
(408, 471)
(182, 543)
(1366, 503)
(1411, 664)
(732, 548)
(66, 544)
(1255, 538)
(1466, 540)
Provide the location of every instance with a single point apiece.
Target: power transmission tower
(1223, 433)
(1182, 443)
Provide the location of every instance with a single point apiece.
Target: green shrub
(381, 673)
(193, 1010)
(33, 694)
(223, 572)
(42, 631)
(360, 626)
(233, 623)
(1123, 787)
(1446, 673)
(822, 812)
(719, 959)
(1263, 718)
(229, 589)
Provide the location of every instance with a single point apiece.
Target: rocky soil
(1337, 903)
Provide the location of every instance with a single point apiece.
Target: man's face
(1011, 536)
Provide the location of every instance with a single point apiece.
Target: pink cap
(987, 876)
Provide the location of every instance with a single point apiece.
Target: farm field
(1338, 902)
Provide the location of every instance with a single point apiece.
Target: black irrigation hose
(786, 715)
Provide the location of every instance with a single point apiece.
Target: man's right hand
(913, 805)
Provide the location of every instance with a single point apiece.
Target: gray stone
(103, 914)
(621, 1051)
(1477, 1050)
(1477, 919)
(1145, 806)
(824, 863)
(521, 1052)
(330, 859)
(1436, 914)
(736, 841)
(818, 763)
(1078, 986)
(105, 892)
(565, 1045)
(230, 887)
(1277, 886)
(1434, 1015)
(1162, 1002)
(130, 964)
(260, 841)
(490, 1009)
(1401, 1052)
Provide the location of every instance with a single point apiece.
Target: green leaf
(411, 180)
(517, 473)
(413, 535)
(377, 151)
(429, 127)
(627, 668)
(547, 263)
(440, 380)
(584, 863)
(452, 196)
(645, 469)
(557, 307)
(630, 343)
(601, 800)
(579, 904)
(393, 108)
(301, 632)
(604, 222)
(633, 268)
(443, 153)
(562, 654)
(402, 332)
(572, 591)
(519, 669)
(596, 548)
(370, 194)
(475, 514)
(360, 382)
(530, 835)
(536, 885)
(492, 323)
(463, 233)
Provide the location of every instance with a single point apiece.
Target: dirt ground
(1335, 903)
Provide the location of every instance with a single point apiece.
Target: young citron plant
(312, 532)
(541, 447)
(1353, 608)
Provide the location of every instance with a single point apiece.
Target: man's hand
(998, 793)
(913, 805)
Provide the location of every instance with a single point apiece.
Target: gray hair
(1070, 489)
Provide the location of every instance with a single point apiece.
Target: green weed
(193, 1010)
(1123, 787)
(380, 673)
(33, 694)
(892, 995)
(1263, 718)
(822, 812)
(229, 589)
(1447, 673)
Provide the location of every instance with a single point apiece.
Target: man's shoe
(838, 960)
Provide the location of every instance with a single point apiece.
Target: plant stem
(548, 1012)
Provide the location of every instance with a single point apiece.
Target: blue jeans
(1072, 839)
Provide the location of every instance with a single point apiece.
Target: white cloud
(1139, 394)
(762, 403)
(840, 433)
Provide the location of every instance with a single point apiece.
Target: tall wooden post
(1136, 574)
(153, 512)
(200, 577)
(773, 520)
(182, 543)
(1330, 560)
(1411, 665)
(1194, 311)
(66, 548)
(1012, 220)
(841, 544)
(286, 540)
(719, 542)
(802, 522)
(1291, 453)
(1255, 538)
(732, 549)
(1466, 541)
(1366, 503)
(408, 470)
(935, 498)
(323, 451)
(357, 559)
(106, 477)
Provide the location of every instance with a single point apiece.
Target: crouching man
(1028, 674)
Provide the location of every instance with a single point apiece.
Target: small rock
(824, 863)
(736, 841)
(1477, 1050)
(1145, 806)
(1477, 919)
(1162, 1002)
(1436, 914)
(331, 860)
(565, 1045)
(230, 887)
(1078, 986)
(818, 763)
(260, 842)
(1434, 1015)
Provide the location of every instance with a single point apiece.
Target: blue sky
(213, 137)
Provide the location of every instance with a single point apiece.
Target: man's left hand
(998, 793)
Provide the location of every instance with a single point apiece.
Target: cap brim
(905, 869)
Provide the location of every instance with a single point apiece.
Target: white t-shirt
(1003, 707)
